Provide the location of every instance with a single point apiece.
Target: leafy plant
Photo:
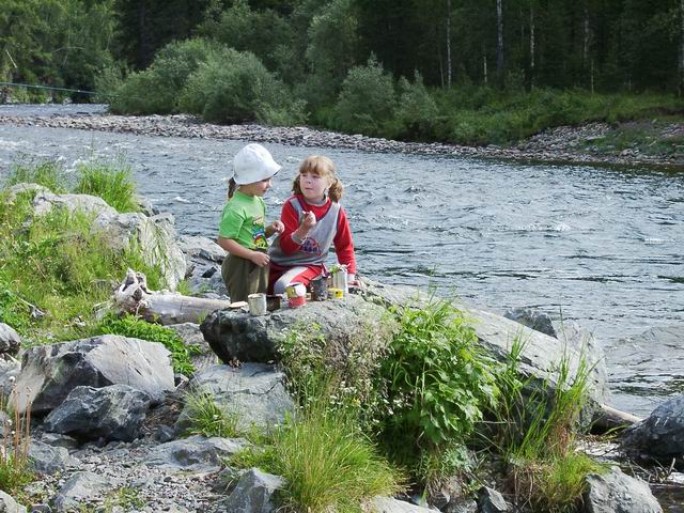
(207, 418)
(438, 382)
(113, 183)
(131, 326)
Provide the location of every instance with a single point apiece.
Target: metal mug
(339, 278)
(257, 304)
(319, 289)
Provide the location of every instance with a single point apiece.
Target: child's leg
(293, 276)
(243, 277)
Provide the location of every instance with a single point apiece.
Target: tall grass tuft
(15, 439)
(535, 428)
(207, 418)
(328, 464)
(111, 182)
(47, 173)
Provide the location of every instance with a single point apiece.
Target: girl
(242, 230)
(313, 220)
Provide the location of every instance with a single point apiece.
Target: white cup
(257, 304)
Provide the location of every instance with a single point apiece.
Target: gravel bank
(558, 145)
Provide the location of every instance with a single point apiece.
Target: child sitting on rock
(313, 221)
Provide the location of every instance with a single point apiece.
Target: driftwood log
(134, 297)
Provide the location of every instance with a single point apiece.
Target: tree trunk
(499, 42)
(448, 43)
(532, 49)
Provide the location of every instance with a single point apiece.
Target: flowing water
(600, 247)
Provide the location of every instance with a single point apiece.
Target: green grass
(207, 418)
(47, 173)
(55, 267)
(111, 182)
(534, 427)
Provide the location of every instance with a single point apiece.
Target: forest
(393, 68)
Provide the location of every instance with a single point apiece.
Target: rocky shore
(568, 145)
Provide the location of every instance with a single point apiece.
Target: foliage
(131, 326)
(15, 440)
(416, 111)
(235, 87)
(367, 100)
(207, 418)
(438, 383)
(534, 428)
(112, 183)
(157, 89)
(71, 265)
(47, 173)
(328, 464)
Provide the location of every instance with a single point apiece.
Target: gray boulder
(10, 342)
(50, 372)
(390, 505)
(9, 505)
(253, 493)
(79, 489)
(533, 319)
(616, 492)
(195, 453)
(111, 413)
(48, 459)
(254, 394)
(238, 335)
(660, 437)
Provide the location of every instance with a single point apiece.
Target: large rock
(9, 340)
(254, 493)
(254, 394)
(659, 437)
(247, 338)
(616, 492)
(50, 372)
(110, 413)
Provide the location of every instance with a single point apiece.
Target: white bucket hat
(253, 163)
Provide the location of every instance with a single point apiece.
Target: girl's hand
(259, 258)
(277, 227)
(308, 221)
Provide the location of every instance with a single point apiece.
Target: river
(600, 247)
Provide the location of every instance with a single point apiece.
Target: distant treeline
(398, 68)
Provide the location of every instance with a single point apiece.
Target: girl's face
(313, 186)
(256, 188)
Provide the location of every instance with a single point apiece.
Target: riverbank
(648, 144)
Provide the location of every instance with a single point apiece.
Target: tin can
(257, 304)
(336, 293)
(319, 289)
(296, 301)
(339, 278)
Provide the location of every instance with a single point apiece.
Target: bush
(235, 87)
(156, 90)
(367, 101)
(438, 384)
(416, 112)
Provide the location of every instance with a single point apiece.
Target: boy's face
(256, 188)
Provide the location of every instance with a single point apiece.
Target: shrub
(112, 183)
(235, 87)
(157, 89)
(416, 111)
(438, 382)
(367, 100)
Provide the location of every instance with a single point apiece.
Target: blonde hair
(322, 166)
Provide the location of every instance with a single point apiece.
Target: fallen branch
(134, 297)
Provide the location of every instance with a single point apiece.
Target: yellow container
(335, 293)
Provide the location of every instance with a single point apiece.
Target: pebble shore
(559, 145)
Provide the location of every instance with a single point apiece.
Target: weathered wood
(609, 418)
(134, 297)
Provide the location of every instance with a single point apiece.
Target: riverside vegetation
(435, 409)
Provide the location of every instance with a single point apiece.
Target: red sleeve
(344, 244)
(290, 219)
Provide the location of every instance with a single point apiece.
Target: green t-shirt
(243, 220)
